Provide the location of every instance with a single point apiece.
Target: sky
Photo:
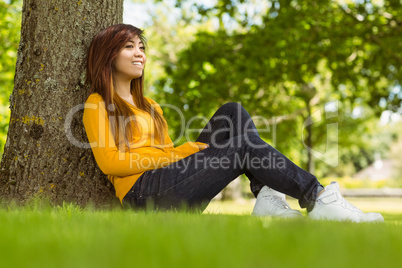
(136, 13)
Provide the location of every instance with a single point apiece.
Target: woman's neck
(123, 88)
(124, 91)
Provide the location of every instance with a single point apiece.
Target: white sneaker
(330, 205)
(273, 203)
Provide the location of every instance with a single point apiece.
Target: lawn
(68, 236)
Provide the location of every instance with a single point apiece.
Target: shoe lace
(349, 205)
(277, 201)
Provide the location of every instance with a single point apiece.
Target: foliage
(10, 26)
(303, 55)
(68, 236)
(167, 34)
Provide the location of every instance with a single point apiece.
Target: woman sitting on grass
(130, 142)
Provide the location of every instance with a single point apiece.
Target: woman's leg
(196, 179)
(231, 120)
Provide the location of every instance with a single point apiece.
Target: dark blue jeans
(235, 149)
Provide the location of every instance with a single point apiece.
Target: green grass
(71, 237)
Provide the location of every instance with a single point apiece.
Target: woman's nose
(138, 53)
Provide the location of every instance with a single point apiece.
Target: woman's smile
(131, 54)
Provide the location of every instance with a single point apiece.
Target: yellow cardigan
(124, 165)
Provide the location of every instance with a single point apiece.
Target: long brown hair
(103, 51)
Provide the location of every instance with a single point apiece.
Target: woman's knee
(235, 106)
(233, 109)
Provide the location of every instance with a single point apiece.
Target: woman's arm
(109, 159)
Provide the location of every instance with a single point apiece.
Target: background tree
(39, 158)
(350, 53)
(10, 26)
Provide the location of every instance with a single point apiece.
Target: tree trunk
(40, 159)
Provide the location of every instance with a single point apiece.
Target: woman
(129, 139)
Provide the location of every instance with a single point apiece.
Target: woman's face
(130, 60)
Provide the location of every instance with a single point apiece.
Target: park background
(322, 79)
(325, 75)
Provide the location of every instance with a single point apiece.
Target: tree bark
(39, 157)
